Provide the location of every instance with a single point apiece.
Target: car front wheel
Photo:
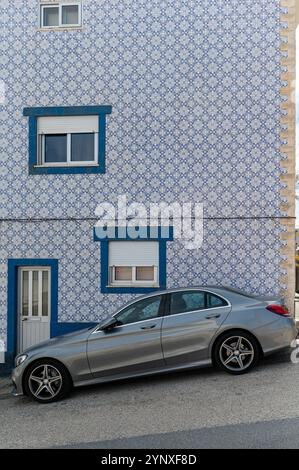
(47, 381)
(236, 352)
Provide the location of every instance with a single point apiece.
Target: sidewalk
(5, 385)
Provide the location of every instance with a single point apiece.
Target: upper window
(60, 15)
(139, 311)
(134, 263)
(67, 140)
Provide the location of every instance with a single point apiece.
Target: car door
(190, 322)
(132, 347)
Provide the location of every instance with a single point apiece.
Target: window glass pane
(186, 301)
(82, 147)
(141, 310)
(55, 148)
(50, 16)
(123, 273)
(25, 288)
(145, 273)
(215, 301)
(70, 14)
(35, 293)
(45, 294)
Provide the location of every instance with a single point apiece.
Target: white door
(33, 306)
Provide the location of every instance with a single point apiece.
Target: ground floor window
(134, 263)
(133, 266)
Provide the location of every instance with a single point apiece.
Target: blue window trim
(35, 112)
(56, 328)
(104, 262)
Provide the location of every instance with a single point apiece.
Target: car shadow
(157, 380)
(179, 375)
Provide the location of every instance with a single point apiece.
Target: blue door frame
(56, 328)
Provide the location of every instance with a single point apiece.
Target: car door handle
(149, 327)
(213, 315)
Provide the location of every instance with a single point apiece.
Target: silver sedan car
(160, 332)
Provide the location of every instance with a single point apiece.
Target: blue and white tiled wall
(194, 87)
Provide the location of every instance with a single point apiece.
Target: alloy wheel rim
(45, 382)
(236, 353)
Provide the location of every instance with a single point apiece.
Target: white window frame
(41, 151)
(43, 6)
(134, 282)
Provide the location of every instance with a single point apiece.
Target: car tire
(46, 381)
(236, 352)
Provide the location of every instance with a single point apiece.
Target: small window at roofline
(60, 15)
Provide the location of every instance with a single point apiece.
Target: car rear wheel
(236, 352)
(47, 381)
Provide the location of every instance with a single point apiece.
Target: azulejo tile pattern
(195, 93)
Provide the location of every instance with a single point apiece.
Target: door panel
(133, 347)
(33, 306)
(186, 336)
(128, 349)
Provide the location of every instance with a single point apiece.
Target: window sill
(113, 289)
(133, 286)
(66, 169)
(61, 29)
(62, 165)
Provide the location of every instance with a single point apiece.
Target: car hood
(68, 338)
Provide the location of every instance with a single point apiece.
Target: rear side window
(189, 301)
(214, 301)
(181, 302)
(139, 311)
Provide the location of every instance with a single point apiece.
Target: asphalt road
(196, 409)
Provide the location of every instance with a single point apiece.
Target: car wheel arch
(46, 358)
(228, 330)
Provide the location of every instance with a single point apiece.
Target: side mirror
(110, 324)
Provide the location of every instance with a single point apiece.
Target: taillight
(278, 309)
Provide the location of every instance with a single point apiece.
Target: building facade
(169, 101)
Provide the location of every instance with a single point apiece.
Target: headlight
(20, 359)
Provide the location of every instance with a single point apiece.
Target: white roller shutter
(67, 124)
(133, 253)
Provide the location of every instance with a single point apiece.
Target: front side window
(140, 311)
(60, 15)
(67, 140)
(133, 263)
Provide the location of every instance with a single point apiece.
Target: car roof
(210, 287)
